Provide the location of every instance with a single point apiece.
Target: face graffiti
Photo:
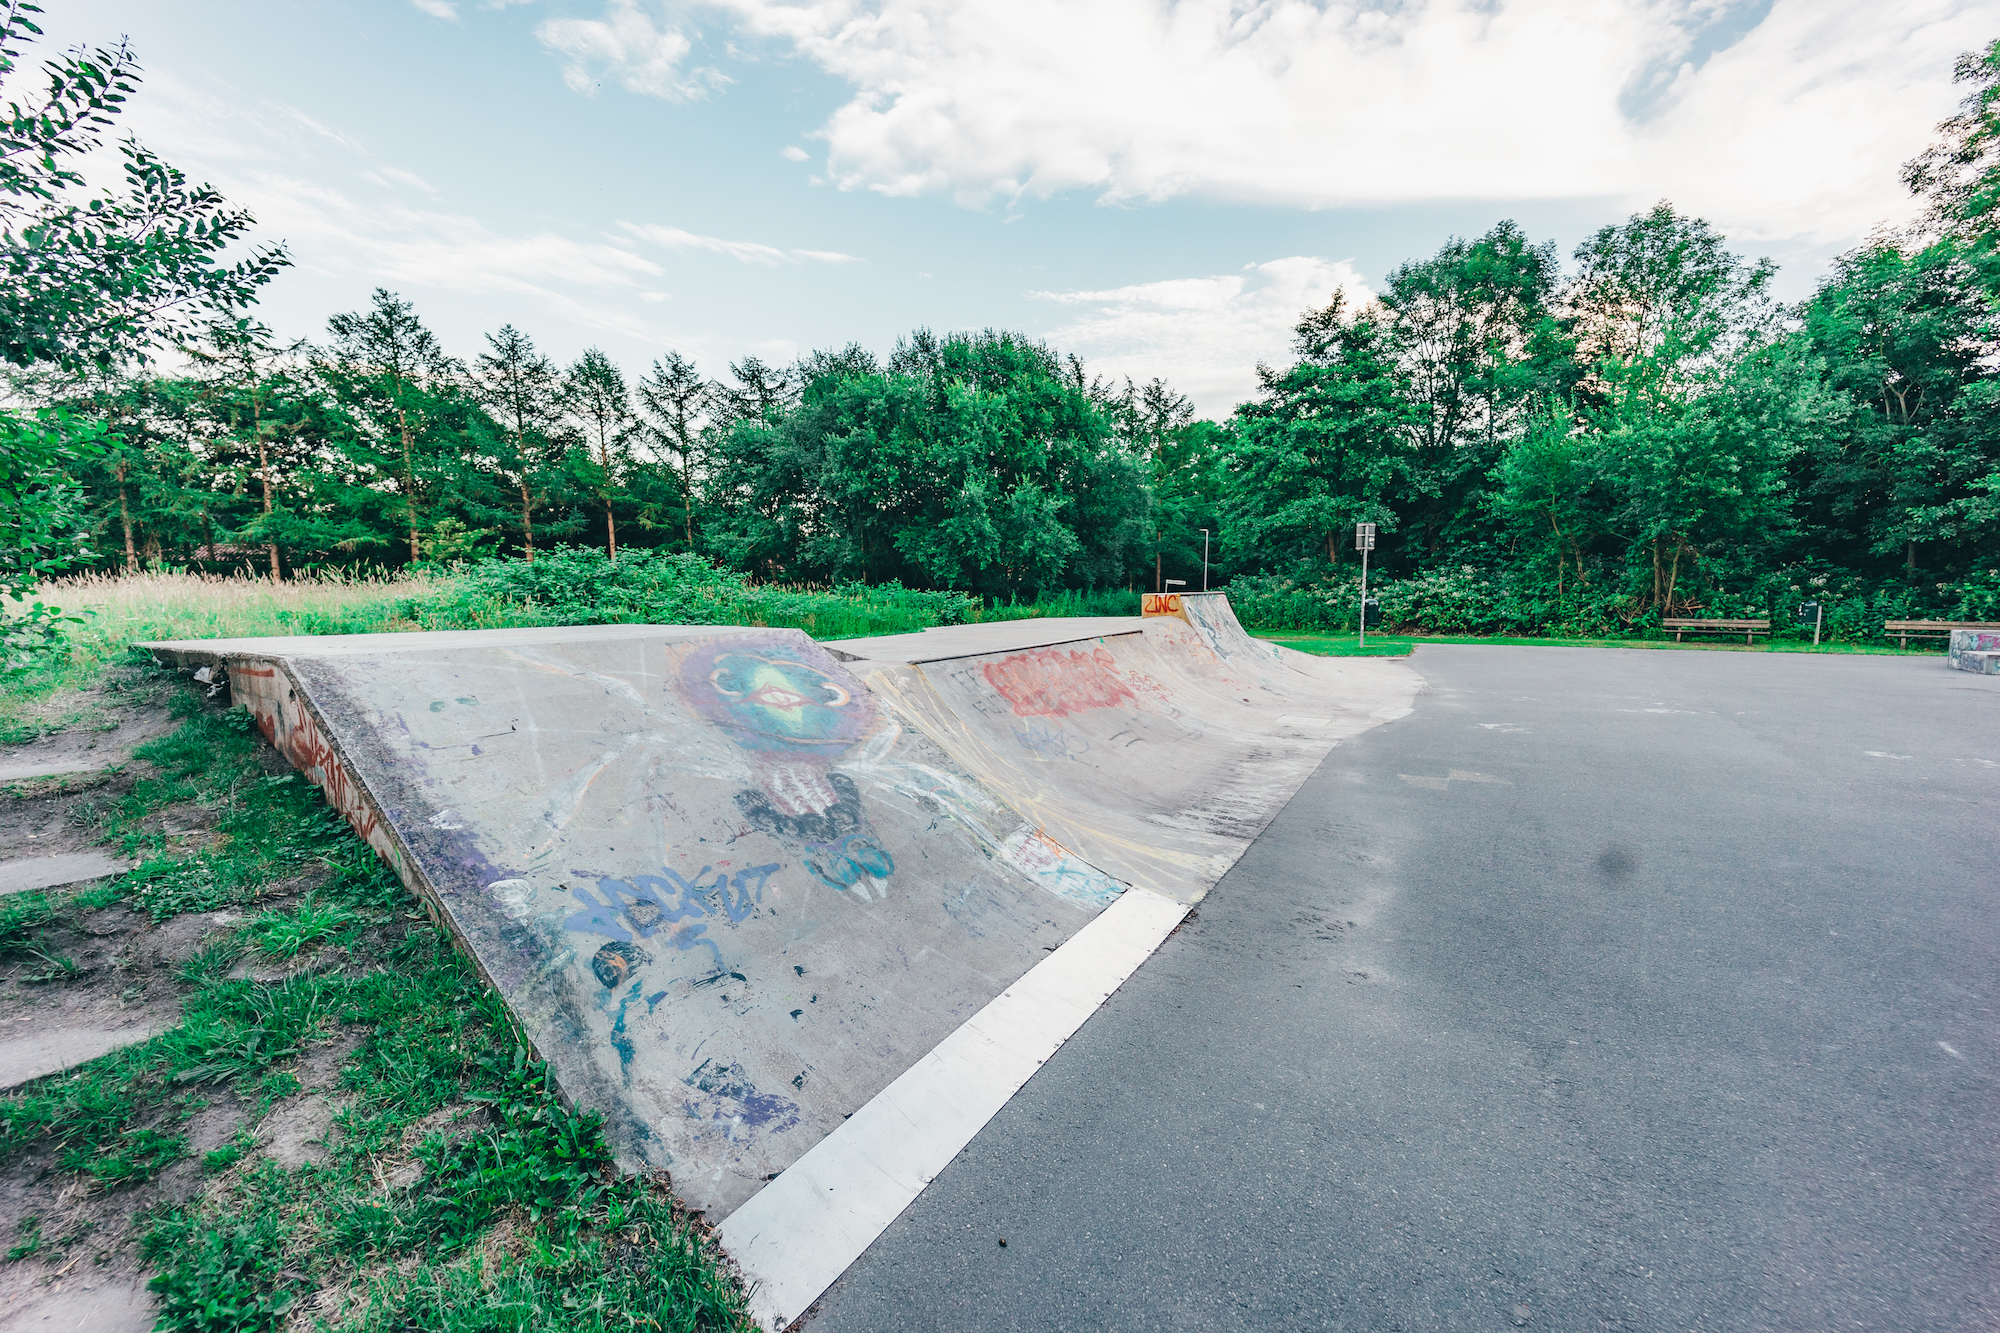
(778, 697)
(797, 713)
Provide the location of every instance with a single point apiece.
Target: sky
(1159, 186)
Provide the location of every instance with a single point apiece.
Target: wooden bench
(1905, 630)
(1749, 629)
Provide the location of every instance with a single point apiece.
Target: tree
(1904, 340)
(674, 399)
(242, 360)
(595, 396)
(1324, 444)
(1959, 176)
(969, 460)
(1472, 332)
(522, 390)
(392, 370)
(90, 284)
(104, 280)
(1658, 303)
(761, 392)
(1663, 312)
(40, 503)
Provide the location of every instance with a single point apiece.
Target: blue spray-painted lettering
(647, 904)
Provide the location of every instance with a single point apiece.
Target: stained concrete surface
(53, 1046)
(51, 872)
(1142, 750)
(1627, 989)
(88, 1303)
(730, 887)
(125, 726)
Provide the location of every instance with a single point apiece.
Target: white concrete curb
(801, 1231)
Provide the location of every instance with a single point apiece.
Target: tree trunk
(264, 475)
(610, 524)
(527, 521)
(1557, 529)
(409, 483)
(1910, 559)
(125, 517)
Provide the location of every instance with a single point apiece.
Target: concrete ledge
(1979, 663)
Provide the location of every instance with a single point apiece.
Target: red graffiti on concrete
(1050, 682)
(288, 725)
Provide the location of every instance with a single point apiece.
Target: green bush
(584, 586)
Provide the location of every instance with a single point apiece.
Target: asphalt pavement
(1628, 989)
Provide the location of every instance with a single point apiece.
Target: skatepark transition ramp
(735, 884)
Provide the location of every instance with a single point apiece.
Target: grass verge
(362, 1142)
(1400, 645)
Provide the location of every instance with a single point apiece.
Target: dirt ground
(117, 979)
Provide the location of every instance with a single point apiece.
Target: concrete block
(1985, 663)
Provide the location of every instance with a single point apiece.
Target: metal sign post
(1816, 613)
(1364, 542)
(1204, 559)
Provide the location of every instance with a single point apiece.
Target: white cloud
(437, 9)
(253, 152)
(1794, 131)
(793, 153)
(745, 252)
(1204, 336)
(627, 48)
(385, 175)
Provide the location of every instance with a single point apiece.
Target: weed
(139, 1155)
(283, 934)
(279, 1085)
(219, 1279)
(230, 1153)
(22, 915)
(31, 1238)
(238, 1028)
(55, 967)
(208, 964)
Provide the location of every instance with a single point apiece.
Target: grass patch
(284, 934)
(1108, 603)
(1400, 645)
(457, 1192)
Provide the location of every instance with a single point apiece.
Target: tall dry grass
(124, 608)
(118, 610)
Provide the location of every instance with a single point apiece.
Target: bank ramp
(795, 918)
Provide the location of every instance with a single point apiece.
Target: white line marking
(801, 1231)
(1884, 754)
(1949, 1051)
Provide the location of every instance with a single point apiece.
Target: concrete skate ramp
(728, 896)
(1143, 750)
(1212, 617)
(733, 887)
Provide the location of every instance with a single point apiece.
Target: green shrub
(583, 586)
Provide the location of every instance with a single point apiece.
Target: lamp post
(1364, 542)
(1204, 559)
